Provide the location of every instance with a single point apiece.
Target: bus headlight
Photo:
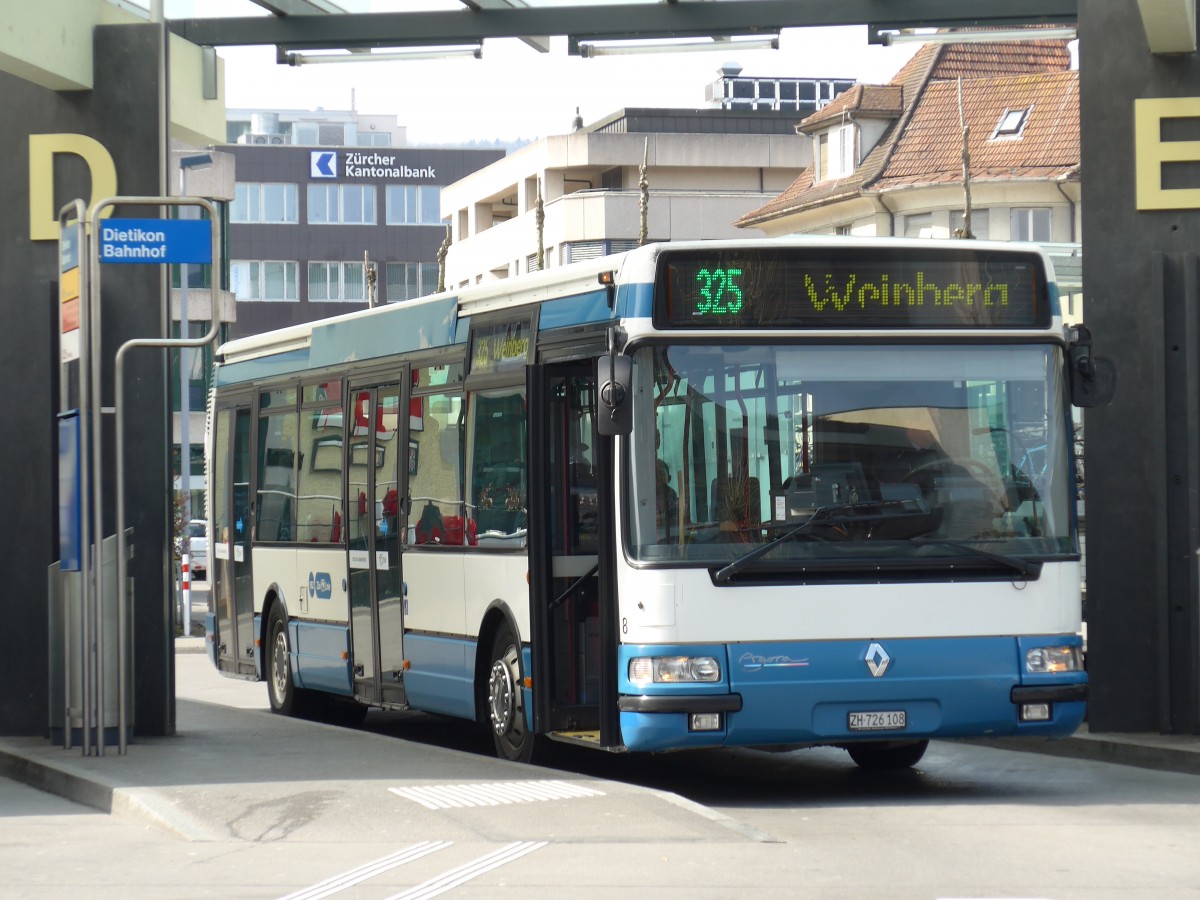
(673, 669)
(1051, 660)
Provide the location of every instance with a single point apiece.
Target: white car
(197, 533)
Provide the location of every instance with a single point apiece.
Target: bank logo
(322, 164)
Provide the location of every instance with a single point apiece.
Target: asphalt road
(969, 821)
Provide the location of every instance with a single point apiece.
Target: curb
(1155, 755)
(54, 780)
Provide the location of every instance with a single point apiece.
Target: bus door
(565, 537)
(378, 514)
(231, 592)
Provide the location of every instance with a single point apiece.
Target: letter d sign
(43, 216)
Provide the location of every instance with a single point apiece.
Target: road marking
(337, 883)
(449, 796)
(465, 873)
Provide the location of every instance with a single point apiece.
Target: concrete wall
(121, 114)
(1141, 278)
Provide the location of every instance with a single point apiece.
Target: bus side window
(319, 486)
(498, 485)
(435, 472)
(277, 462)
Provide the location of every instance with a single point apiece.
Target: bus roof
(535, 288)
(436, 320)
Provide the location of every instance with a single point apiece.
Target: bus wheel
(505, 701)
(887, 754)
(286, 698)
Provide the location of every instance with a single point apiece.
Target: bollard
(185, 617)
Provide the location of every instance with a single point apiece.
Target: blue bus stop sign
(156, 241)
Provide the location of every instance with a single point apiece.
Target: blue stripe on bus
(1052, 293)
(420, 325)
(635, 301)
(263, 368)
(441, 678)
(577, 310)
(801, 692)
(321, 656)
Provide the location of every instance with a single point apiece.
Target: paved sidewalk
(234, 769)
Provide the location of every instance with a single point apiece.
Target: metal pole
(81, 259)
(185, 445)
(94, 616)
(185, 411)
(86, 557)
(119, 389)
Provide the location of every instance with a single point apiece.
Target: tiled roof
(931, 146)
(923, 143)
(1000, 58)
(861, 101)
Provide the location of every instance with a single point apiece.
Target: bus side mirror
(614, 408)
(1092, 379)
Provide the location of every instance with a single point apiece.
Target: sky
(514, 92)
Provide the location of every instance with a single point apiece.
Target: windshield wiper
(1025, 567)
(834, 514)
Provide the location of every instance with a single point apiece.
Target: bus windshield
(895, 455)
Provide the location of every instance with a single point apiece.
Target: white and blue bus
(724, 493)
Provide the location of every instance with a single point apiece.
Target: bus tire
(505, 700)
(887, 754)
(286, 699)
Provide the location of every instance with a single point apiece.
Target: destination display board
(500, 347)
(865, 286)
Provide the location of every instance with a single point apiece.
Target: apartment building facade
(581, 195)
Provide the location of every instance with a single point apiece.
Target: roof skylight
(1012, 123)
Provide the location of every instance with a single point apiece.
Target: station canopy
(591, 27)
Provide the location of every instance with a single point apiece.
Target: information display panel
(864, 286)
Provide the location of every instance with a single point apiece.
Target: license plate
(882, 720)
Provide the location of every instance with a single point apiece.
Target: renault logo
(877, 660)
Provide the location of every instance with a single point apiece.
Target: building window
(577, 251)
(337, 281)
(341, 204)
(1030, 225)
(980, 222)
(235, 128)
(1012, 123)
(264, 280)
(264, 203)
(373, 139)
(412, 204)
(407, 280)
(836, 156)
(919, 226)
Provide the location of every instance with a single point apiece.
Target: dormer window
(836, 153)
(1012, 123)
